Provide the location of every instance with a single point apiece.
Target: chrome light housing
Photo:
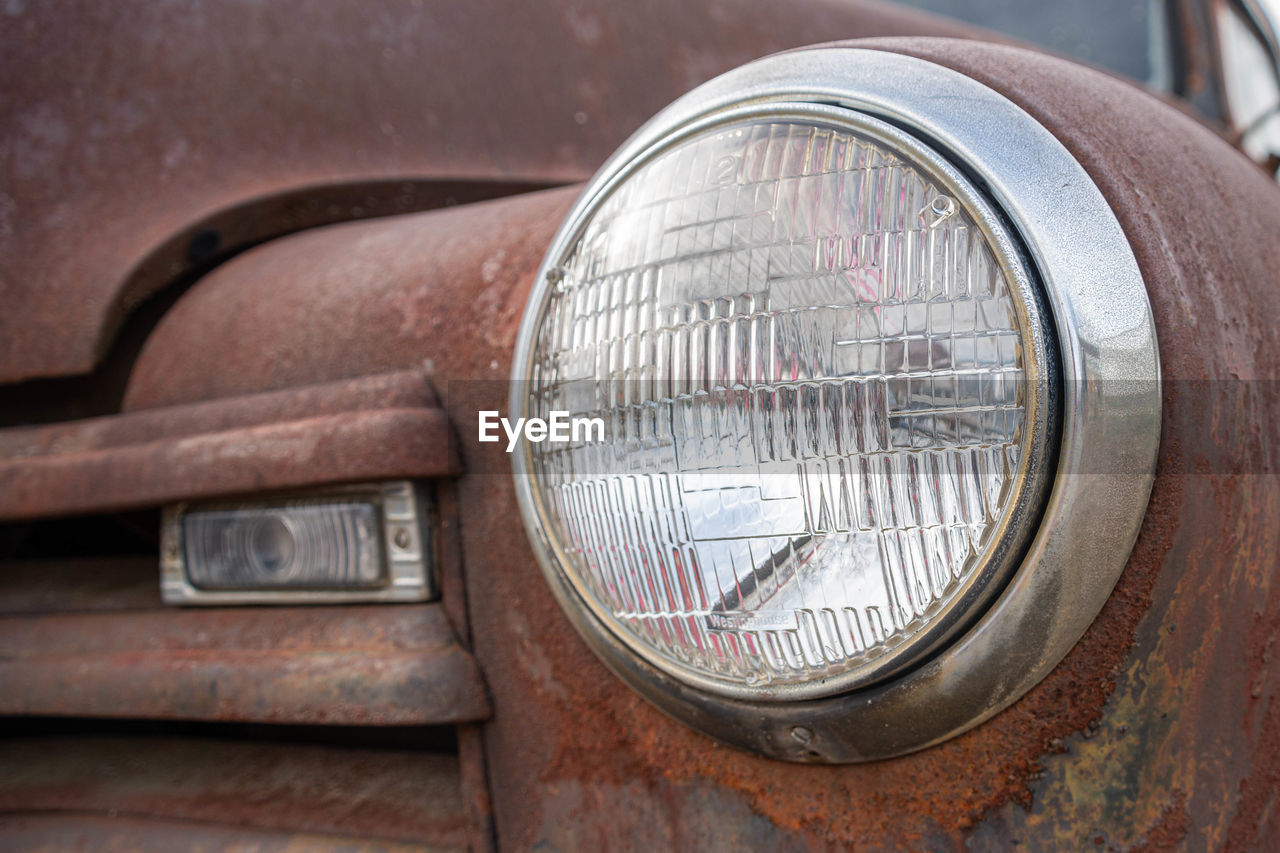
(879, 386)
(344, 544)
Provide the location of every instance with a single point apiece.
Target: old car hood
(167, 135)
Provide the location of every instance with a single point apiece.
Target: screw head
(942, 207)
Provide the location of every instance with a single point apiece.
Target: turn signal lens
(356, 543)
(333, 545)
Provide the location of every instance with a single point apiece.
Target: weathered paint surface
(70, 831)
(1158, 729)
(78, 585)
(396, 390)
(1184, 752)
(138, 139)
(379, 427)
(173, 786)
(309, 665)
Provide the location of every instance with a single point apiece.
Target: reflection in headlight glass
(810, 369)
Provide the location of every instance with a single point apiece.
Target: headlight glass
(820, 365)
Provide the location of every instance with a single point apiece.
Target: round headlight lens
(822, 373)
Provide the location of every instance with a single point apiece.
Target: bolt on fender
(558, 428)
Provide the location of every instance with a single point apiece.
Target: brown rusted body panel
(397, 795)
(132, 133)
(71, 831)
(78, 585)
(381, 427)
(1160, 727)
(396, 390)
(1186, 751)
(338, 666)
(434, 291)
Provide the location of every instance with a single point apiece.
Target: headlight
(825, 384)
(830, 386)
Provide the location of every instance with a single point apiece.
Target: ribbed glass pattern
(319, 545)
(810, 371)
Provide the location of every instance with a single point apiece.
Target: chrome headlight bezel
(1109, 406)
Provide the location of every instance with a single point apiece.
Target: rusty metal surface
(390, 665)
(79, 585)
(1161, 725)
(45, 833)
(382, 427)
(472, 767)
(1184, 752)
(473, 785)
(375, 445)
(201, 245)
(395, 390)
(399, 796)
(130, 133)
(434, 291)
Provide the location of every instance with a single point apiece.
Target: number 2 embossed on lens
(726, 169)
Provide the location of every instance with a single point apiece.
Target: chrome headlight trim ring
(1110, 409)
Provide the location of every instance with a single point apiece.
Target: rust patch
(80, 831)
(348, 666)
(379, 427)
(1169, 831)
(380, 794)
(1257, 819)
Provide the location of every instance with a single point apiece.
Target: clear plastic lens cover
(813, 373)
(318, 545)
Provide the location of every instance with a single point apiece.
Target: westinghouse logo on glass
(559, 428)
